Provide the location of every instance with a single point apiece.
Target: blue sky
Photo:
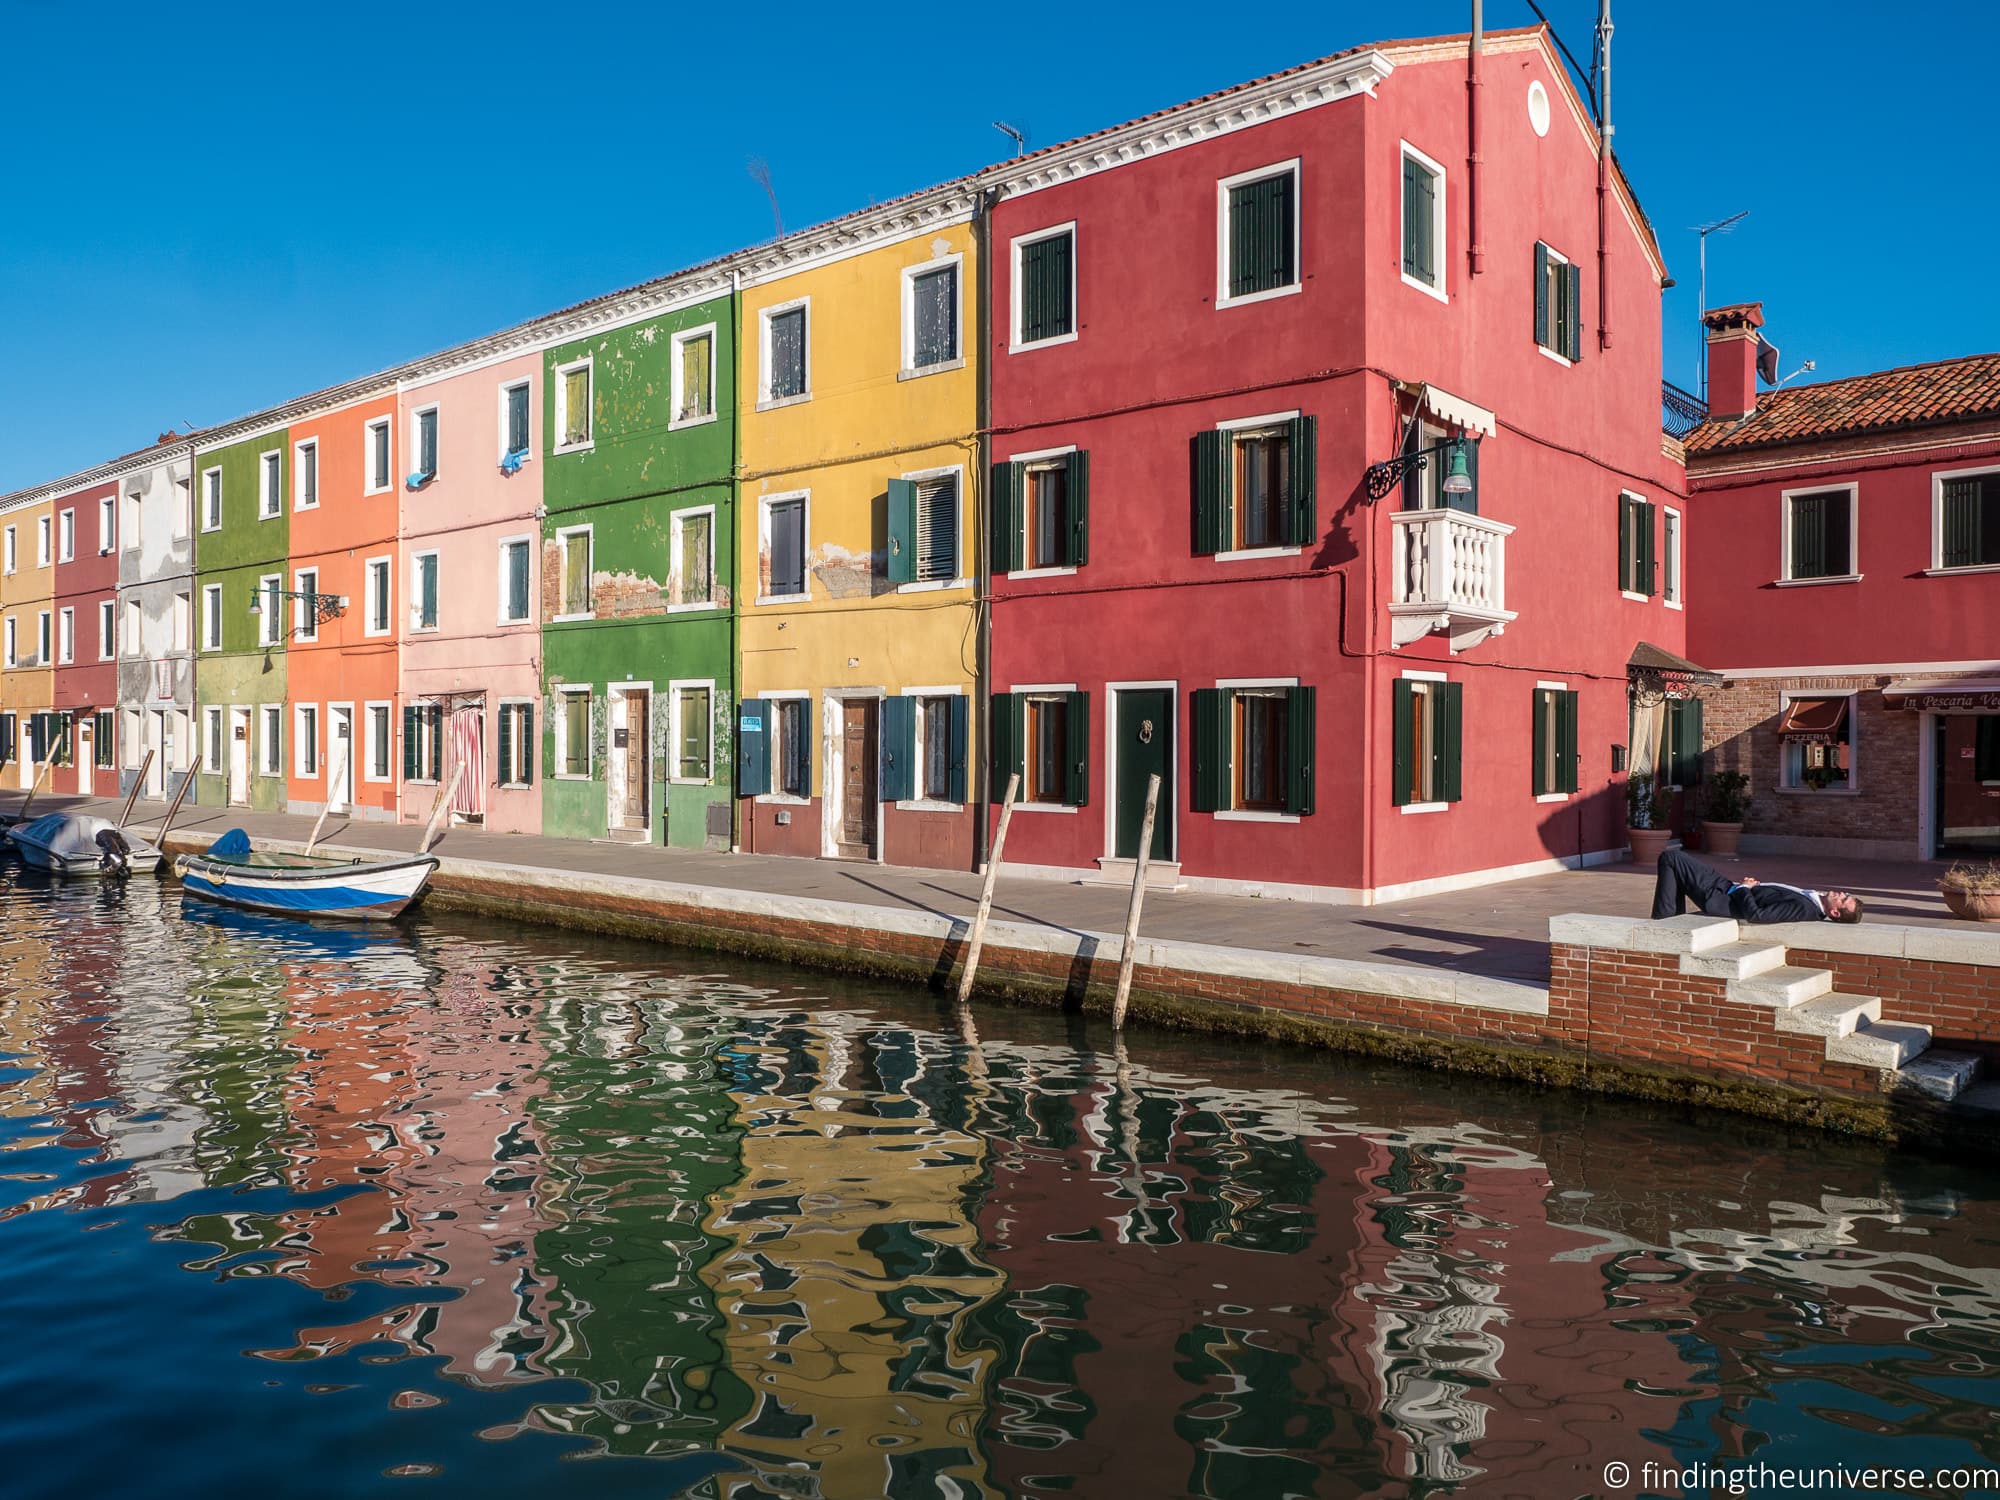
(209, 210)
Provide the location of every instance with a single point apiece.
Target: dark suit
(1683, 878)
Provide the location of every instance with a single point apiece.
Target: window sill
(931, 804)
(572, 619)
(377, 635)
(1826, 791)
(1806, 583)
(574, 447)
(783, 799)
(1426, 807)
(1426, 288)
(373, 489)
(1045, 807)
(505, 620)
(308, 505)
(690, 781)
(1552, 797)
(514, 786)
(1061, 572)
(368, 779)
(1248, 297)
(940, 368)
(772, 403)
(775, 599)
(1673, 603)
(1252, 815)
(933, 585)
(1968, 568)
(1251, 554)
(1562, 359)
(1635, 598)
(574, 776)
(681, 423)
(688, 609)
(1048, 343)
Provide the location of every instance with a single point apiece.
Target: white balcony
(1450, 575)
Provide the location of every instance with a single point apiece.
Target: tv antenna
(1719, 226)
(760, 173)
(1020, 136)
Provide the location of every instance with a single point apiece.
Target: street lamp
(324, 607)
(1381, 478)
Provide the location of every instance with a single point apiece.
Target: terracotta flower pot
(1974, 906)
(1648, 844)
(1721, 838)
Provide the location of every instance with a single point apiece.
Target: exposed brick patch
(1959, 1002)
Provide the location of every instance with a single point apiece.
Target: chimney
(1733, 342)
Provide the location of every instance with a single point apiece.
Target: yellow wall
(24, 594)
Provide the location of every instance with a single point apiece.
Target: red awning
(1813, 721)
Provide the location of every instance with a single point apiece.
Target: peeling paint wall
(155, 567)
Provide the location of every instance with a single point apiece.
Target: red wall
(86, 683)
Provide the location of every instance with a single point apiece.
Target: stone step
(1880, 1044)
(1941, 1075)
(1738, 960)
(1782, 987)
(1832, 1014)
(1981, 1099)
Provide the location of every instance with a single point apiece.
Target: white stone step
(1737, 960)
(1782, 987)
(1692, 932)
(1941, 1075)
(1832, 1014)
(1880, 1044)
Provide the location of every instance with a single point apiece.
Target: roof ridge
(1927, 364)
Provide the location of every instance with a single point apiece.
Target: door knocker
(1145, 731)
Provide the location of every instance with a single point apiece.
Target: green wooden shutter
(1211, 714)
(902, 531)
(1300, 728)
(1242, 240)
(1573, 290)
(1649, 568)
(1450, 714)
(1009, 713)
(959, 746)
(1302, 520)
(1539, 777)
(1566, 778)
(1416, 220)
(1076, 544)
(527, 744)
(1542, 296)
(1405, 716)
(753, 747)
(1625, 569)
(1005, 519)
(898, 749)
(1076, 752)
(1211, 493)
(409, 742)
(506, 744)
(1959, 524)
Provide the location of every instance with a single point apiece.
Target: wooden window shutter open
(1300, 725)
(1076, 545)
(1566, 742)
(1959, 524)
(902, 531)
(409, 742)
(958, 745)
(1403, 761)
(1573, 290)
(527, 744)
(753, 747)
(1302, 523)
(1625, 569)
(898, 751)
(1007, 516)
(1448, 739)
(1541, 703)
(1007, 732)
(1649, 568)
(1542, 296)
(1076, 759)
(506, 744)
(1416, 219)
(1211, 493)
(1211, 749)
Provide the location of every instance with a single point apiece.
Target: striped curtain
(468, 749)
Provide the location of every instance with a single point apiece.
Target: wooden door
(340, 759)
(857, 778)
(1144, 724)
(637, 757)
(86, 754)
(157, 742)
(239, 757)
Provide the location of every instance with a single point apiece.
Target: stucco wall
(155, 565)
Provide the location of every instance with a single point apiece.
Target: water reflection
(462, 1203)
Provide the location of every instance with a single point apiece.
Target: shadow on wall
(1585, 823)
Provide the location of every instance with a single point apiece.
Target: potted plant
(1972, 891)
(1722, 811)
(1647, 841)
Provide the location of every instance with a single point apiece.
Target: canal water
(480, 1210)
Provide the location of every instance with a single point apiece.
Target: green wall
(243, 673)
(627, 487)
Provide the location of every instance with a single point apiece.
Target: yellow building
(27, 647)
(857, 537)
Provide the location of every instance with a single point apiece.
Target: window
(1261, 486)
(794, 748)
(1423, 482)
(273, 741)
(378, 742)
(1558, 305)
(135, 629)
(271, 609)
(41, 541)
(183, 512)
(9, 550)
(1672, 522)
(43, 650)
(694, 731)
(1426, 743)
(67, 535)
(516, 561)
(1637, 573)
(573, 732)
(693, 394)
(930, 315)
(517, 744)
(574, 543)
(1047, 742)
(1045, 287)
(305, 739)
(211, 499)
(183, 620)
(784, 550)
(1047, 521)
(923, 528)
(135, 502)
(305, 615)
(135, 734)
(270, 485)
(1258, 243)
(1819, 534)
(376, 457)
(1554, 741)
(13, 655)
(376, 597)
(424, 447)
(1042, 735)
(785, 354)
(514, 429)
(1253, 749)
(940, 748)
(1816, 743)
(1042, 511)
(66, 635)
(305, 475)
(573, 406)
(1968, 520)
(107, 629)
(211, 617)
(1254, 485)
(212, 741)
(1680, 747)
(423, 742)
(104, 740)
(1423, 222)
(107, 525)
(424, 591)
(692, 584)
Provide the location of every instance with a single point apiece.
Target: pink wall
(85, 682)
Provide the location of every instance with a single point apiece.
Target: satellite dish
(1767, 360)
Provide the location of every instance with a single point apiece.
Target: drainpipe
(1605, 131)
(736, 552)
(1476, 252)
(979, 776)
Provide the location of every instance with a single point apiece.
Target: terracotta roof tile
(1950, 390)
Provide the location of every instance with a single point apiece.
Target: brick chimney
(1732, 358)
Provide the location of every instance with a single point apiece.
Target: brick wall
(1959, 1002)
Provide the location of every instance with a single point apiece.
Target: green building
(242, 548)
(637, 572)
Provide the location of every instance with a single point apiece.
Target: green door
(1144, 725)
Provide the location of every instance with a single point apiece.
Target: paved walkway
(1496, 931)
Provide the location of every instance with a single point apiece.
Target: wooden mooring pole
(173, 807)
(22, 815)
(978, 939)
(138, 781)
(334, 779)
(1130, 948)
(442, 811)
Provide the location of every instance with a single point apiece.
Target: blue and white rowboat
(303, 885)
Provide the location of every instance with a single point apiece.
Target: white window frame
(66, 535)
(1673, 587)
(135, 733)
(301, 740)
(1635, 595)
(765, 400)
(135, 627)
(1424, 807)
(44, 541)
(674, 689)
(208, 616)
(13, 642)
(423, 706)
(764, 504)
(305, 615)
(270, 622)
(559, 735)
(501, 772)
(921, 803)
(266, 714)
(1222, 187)
(958, 579)
(501, 616)
(10, 550)
(675, 421)
(107, 525)
(674, 559)
(1040, 690)
(416, 593)
(1556, 258)
(211, 488)
(368, 737)
(1031, 460)
(270, 484)
(368, 484)
(183, 513)
(1938, 478)
(527, 383)
(910, 370)
(587, 362)
(183, 621)
(1438, 241)
(44, 638)
(1853, 575)
(1252, 424)
(1853, 697)
(299, 500)
(1250, 814)
(1015, 343)
(212, 719)
(373, 569)
(413, 434)
(1553, 687)
(66, 635)
(788, 695)
(107, 629)
(563, 535)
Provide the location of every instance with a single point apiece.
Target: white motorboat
(80, 844)
(303, 885)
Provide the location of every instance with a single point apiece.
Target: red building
(86, 639)
(1207, 326)
(1846, 575)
